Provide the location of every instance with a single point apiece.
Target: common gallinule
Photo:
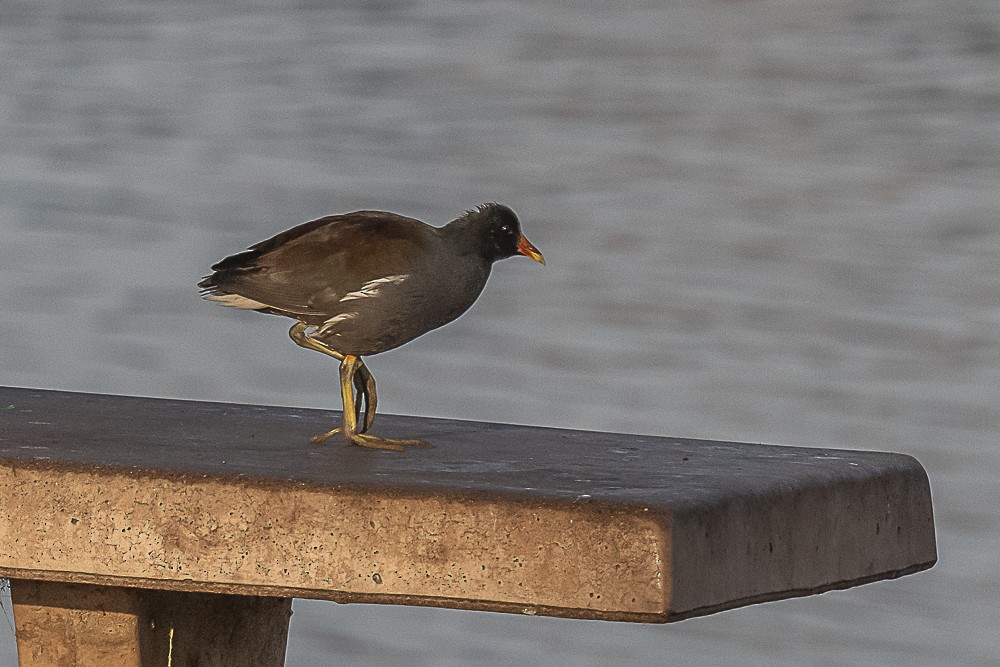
(365, 282)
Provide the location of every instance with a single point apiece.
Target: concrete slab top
(234, 498)
(272, 443)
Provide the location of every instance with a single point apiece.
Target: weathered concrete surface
(204, 497)
(75, 625)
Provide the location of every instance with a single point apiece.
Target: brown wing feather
(306, 269)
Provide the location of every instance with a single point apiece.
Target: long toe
(325, 436)
(393, 444)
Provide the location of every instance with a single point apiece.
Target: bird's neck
(464, 236)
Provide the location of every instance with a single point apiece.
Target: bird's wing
(306, 270)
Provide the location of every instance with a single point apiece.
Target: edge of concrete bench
(221, 498)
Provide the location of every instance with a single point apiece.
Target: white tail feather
(236, 301)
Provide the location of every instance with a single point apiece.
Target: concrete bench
(141, 531)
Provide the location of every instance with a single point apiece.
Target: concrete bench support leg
(64, 625)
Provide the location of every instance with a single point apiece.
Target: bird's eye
(506, 229)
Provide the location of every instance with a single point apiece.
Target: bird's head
(498, 233)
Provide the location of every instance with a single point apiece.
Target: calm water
(764, 220)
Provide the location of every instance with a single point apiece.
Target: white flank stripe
(236, 301)
(332, 322)
(372, 287)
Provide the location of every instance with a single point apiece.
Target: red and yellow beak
(525, 248)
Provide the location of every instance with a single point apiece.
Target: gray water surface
(764, 220)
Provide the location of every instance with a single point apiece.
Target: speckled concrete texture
(245, 536)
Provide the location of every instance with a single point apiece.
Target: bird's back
(306, 270)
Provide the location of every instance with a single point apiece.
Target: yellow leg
(363, 380)
(298, 334)
(348, 369)
(353, 374)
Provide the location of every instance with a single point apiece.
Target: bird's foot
(392, 444)
(375, 442)
(372, 441)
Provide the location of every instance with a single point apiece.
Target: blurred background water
(764, 220)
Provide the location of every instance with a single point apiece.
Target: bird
(361, 283)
